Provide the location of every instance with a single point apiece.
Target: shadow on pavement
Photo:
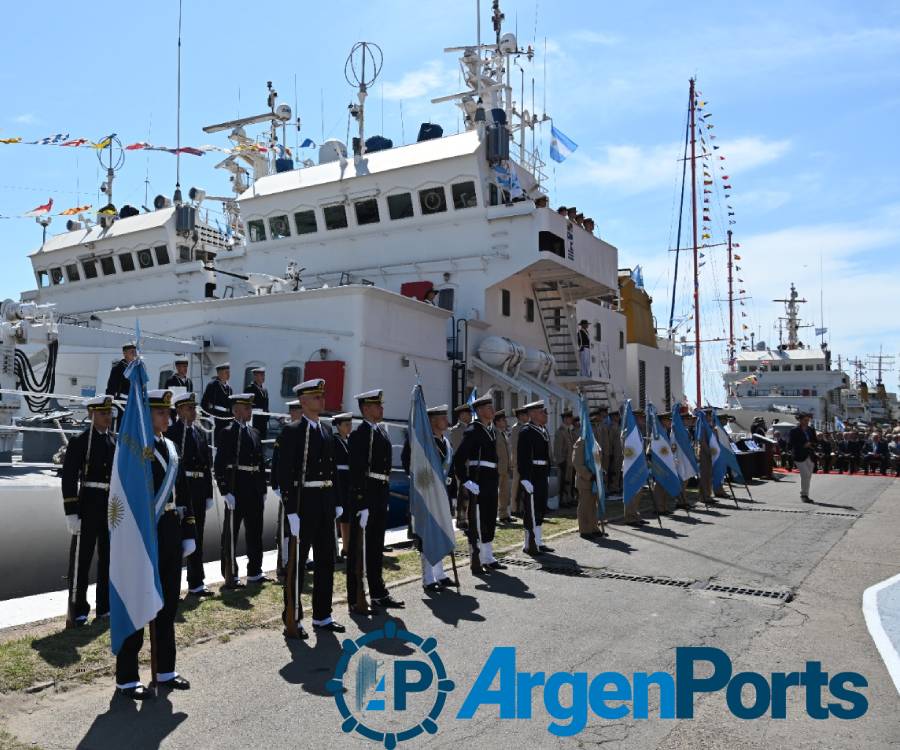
(498, 582)
(132, 725)
(453, 608)
(60, 649)
(312, 662)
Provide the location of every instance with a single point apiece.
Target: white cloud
(26, 118)
(634, 169)
(432, 78)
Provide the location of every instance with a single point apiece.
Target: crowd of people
(851, 452)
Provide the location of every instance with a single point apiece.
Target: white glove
(294, 523)
(229, 501)
(73, 521)
(472, 487)
(209, 503)
(338, 512)
(188, 547)
(529, 487)
(363, 518)
(277, 493)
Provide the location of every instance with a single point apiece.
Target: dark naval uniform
(195, 481)
(476, 461)
(175, 525)
(533, 459)
(307, 475)
(343, 485)
(261, 402)
(216, 401)
(176, 381)
(117, 386)
(85, 488)
(371, 457)
(281, 530)
(241, 471)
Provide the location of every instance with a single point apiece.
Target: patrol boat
(324, 267)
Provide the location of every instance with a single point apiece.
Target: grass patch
(49, 653)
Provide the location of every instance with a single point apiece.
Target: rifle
(292, 609)
(475, 561)
(532, 543)
(361, 603)
(228, 563)
(75, 548)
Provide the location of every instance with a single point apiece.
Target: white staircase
(557, 321)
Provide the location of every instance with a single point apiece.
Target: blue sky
(805, 98)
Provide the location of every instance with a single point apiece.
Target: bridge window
(621, 339)
(335, 217)
(108, 265)
(367, 211)
(505, 302)
(798, 368)
(290, 376)
(464, 195)
(305, 222)
(433, 200)
(184, 254)
(598, 332)
(56, 276)
(90, 269)
(279, 227)
(145, 259)
(126, 262)
(72, 272)
(400, 206)
(529, 310)
(41, 279)
(775, 368)
(256, 230)
(820, 367)
(162, 254)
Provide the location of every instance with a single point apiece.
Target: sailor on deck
(117, 384)
(86, 471)
(216, 399)
(179, 378)
(260, 401)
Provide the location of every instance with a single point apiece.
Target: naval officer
(195, 480)
(371, 459)
(260, 401)
(179, 378)
(475, 466)
(216, 399)
(175, 540)
(86, 472)
(240, 471)
(294, 413)
(307, 474)
(343, 425)
(534, 473)
(117, 384)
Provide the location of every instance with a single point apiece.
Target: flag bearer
(175, 540)
(85, 487)
(306, 475)
(195, 480)
(534, 471)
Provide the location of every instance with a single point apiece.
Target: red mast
(696, 248)
(731, 346)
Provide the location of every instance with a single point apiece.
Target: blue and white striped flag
(135, 592)
(428, 501)
(662, 459)
(726, 454)
(634, 462)
(561, 146)
(472, 396)
(685, 459)
(592, 455)
(839, 425)
(705, 434)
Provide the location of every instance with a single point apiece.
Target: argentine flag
(662, 459)
(428, 502)
(839, 425)
(634, 462)
(685, 459)
(726, 454)
(561, 146)
(135, 593)
(592, 455)
(706, 435)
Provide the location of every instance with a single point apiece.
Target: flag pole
(455, 571)
(153, 670)
(653, 503)
(731, 490)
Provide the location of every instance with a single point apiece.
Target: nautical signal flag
(561, 146)
(43, 209)
(75, 210)
(105, 142)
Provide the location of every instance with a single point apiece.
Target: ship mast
(731, 347)
(696, 248)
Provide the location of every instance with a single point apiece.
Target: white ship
(323, 267)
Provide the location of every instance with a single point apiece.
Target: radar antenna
(361, 69)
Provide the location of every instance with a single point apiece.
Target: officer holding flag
(533, 460)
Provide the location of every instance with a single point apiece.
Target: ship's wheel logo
(115, 512)
(390, 685)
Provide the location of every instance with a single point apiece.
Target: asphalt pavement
(773, 584)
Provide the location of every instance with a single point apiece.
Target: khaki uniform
(503, 470)
(562, 457)
(587, 498)
(705, 471)
(514, 466)
(455, 436)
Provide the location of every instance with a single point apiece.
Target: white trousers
(584, 359)
(432, 573)
(806, 472)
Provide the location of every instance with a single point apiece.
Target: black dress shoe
(200, 594)
(138, 693)
(260, 581)
(360, 612)
(176, 683)
(446, 583)
(301, 633)
(388, 602)
(333, 627)
(233, 586)
(431, 587)
(80, 621)
(496, 565)
(545, 548)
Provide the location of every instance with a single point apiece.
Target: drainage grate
(577, 571)
(779, 596)
(836, 514)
